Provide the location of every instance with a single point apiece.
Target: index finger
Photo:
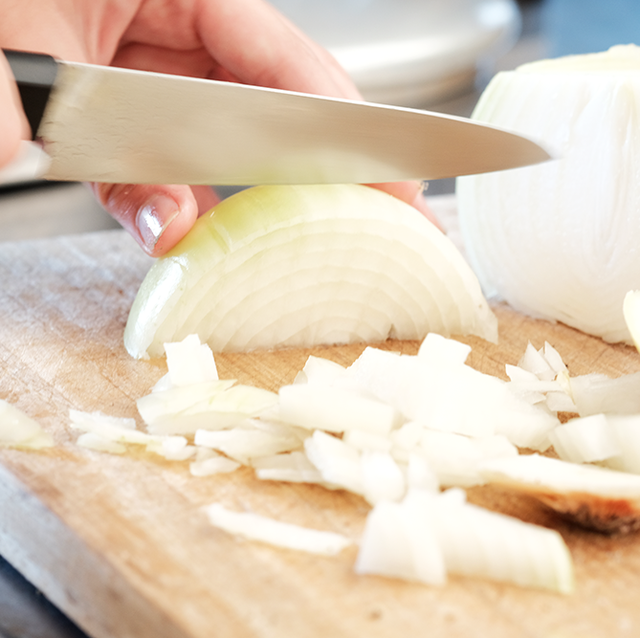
(259, 46)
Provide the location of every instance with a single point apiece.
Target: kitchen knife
(108, 124)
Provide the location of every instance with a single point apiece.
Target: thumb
(157, 217)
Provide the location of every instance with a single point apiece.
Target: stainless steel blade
(115, 125)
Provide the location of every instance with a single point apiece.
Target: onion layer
(277, 266)
(559, 240)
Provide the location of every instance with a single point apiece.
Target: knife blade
(107, 124)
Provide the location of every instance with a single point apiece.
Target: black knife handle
(35, 74)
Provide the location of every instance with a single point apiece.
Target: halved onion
(559, 240)
(276, 266)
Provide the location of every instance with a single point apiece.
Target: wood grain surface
(120, 542)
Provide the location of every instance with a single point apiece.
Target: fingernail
(154, 218)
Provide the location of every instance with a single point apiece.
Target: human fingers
(412, 193)
(157, 217)
(13, 123)
(259, 46)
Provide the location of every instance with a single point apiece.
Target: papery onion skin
(560, 240)
(277, 266)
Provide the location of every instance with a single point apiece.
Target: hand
(236, 40)
(13, 123)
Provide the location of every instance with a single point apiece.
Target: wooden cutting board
(120, 544)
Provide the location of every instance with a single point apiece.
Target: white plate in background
(409, 52)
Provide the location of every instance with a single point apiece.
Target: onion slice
(274, 532)
(276, 266)
(428, 535)
(588, 495)
(17, 429)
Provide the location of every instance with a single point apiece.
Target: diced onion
(243, 443)
(427, 536)
(190, 361)
(626, 430)
(592, 496)
(585, 440)
(294, 467)
(214, 464)
(268, 530)
(17, 429)
(596, 393)
(276, 266)
(559, 240)
(478, 542)
(334, 410)
(398, 541)
(93, 441)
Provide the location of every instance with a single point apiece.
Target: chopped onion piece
(521, 384)
(216, 464)
(173, 448)
(429, 392)
(319, 370)
(554, 359)
(190, 362)
(428, 535)
(382, 375)
(273, 532)
(585, 440)
(595, 497)
(405, 439)
(399, 542)
(535, 362)
(480, 543)
(292, 467)
(626, 429)
(17, 429)
(334, 409)
(382, 479)
(337, 462)
(560, 402)
(121, 430)
(93, 441)
(175, 400)
(367, 440)
(221, 406)
(442, 351)
(598, 393)
(455, 458)
(276, 266)
(86, 420)
(243, 444)
(420, 475)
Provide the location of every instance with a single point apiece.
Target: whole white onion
(561, 240)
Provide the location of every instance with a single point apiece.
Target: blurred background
(429, 54)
